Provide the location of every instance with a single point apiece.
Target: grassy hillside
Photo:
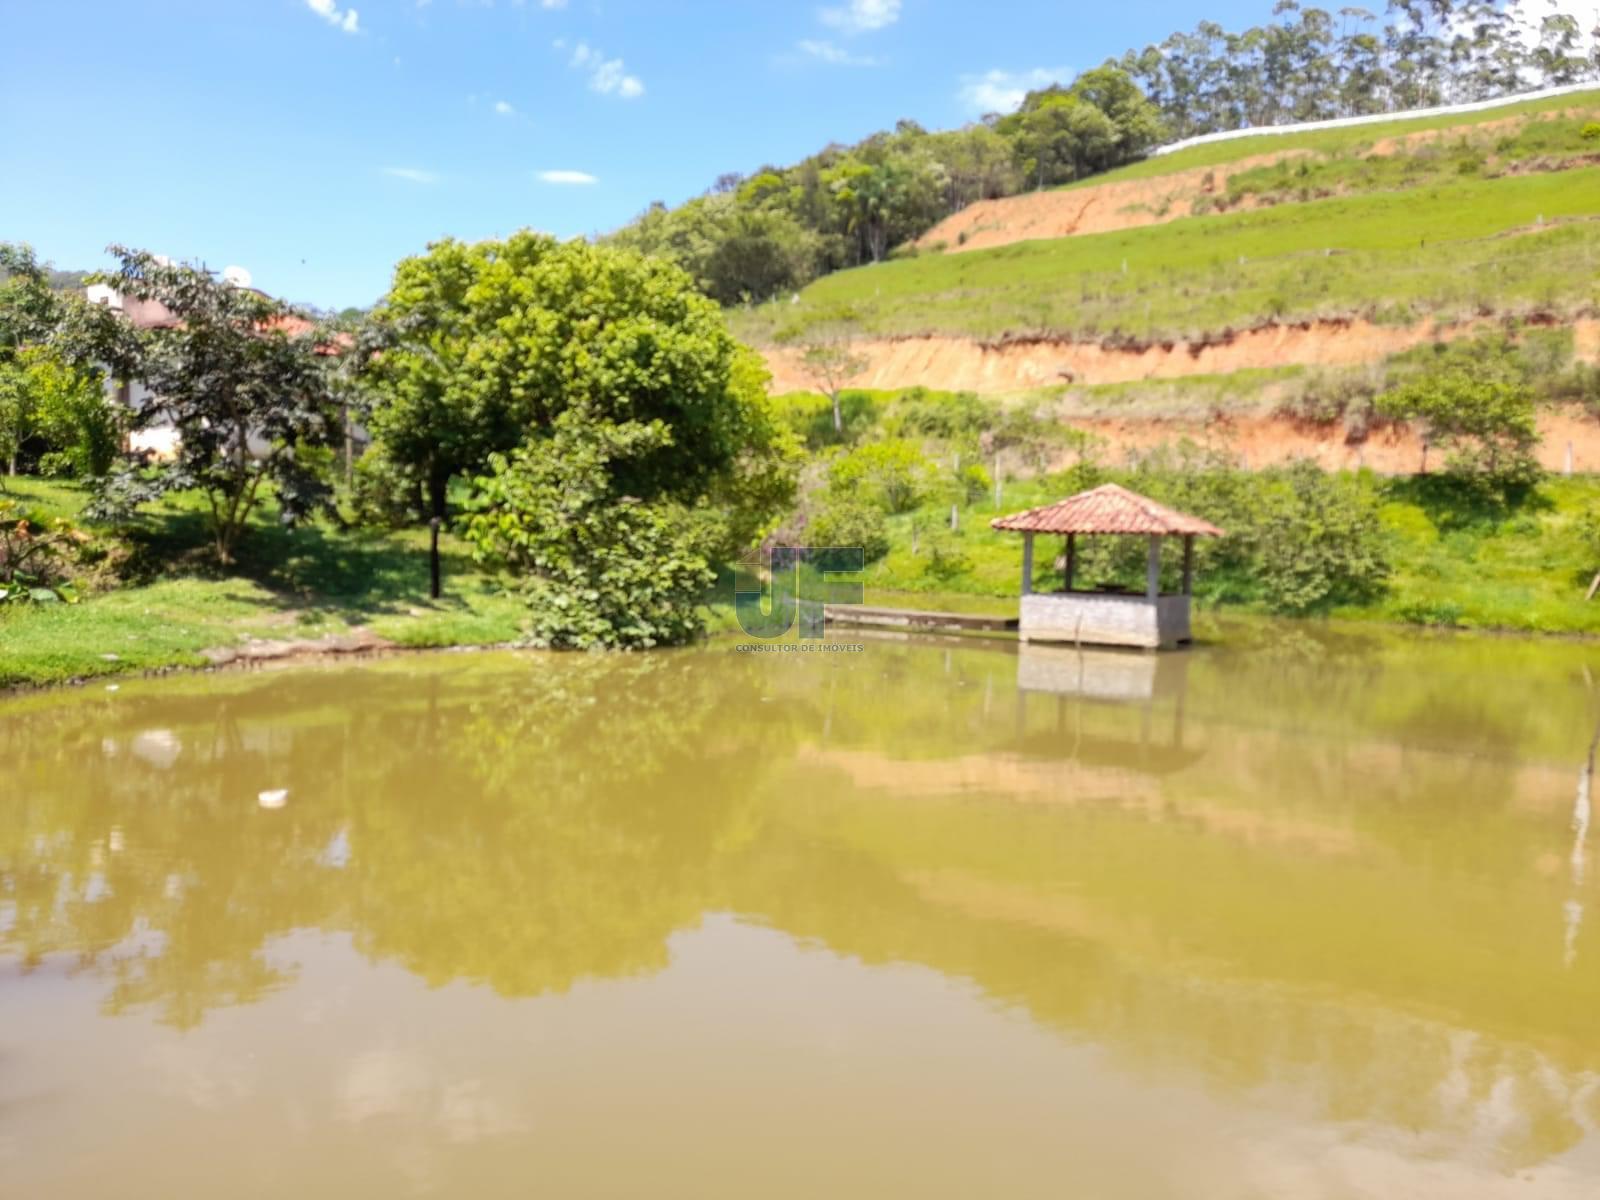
(1452, 232)
(1474, 247)
(1334, 142)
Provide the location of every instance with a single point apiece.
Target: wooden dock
(867, 617)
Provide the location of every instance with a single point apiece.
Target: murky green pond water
(1296, 916)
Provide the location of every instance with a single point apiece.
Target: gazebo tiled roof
(1108, 508)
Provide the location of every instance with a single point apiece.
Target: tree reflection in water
(1321, 867)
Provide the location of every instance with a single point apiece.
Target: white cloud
(412, 174)
(568, 178)
(329, 11)
(1003, 91)
(608, 76)
(861, 16)
(504, 108)
(829, 53)
(552, 3)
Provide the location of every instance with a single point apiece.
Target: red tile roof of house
(1108, 508)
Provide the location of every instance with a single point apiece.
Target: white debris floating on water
(276, 798)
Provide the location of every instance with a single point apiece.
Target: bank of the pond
(1525, 569)
(315, 584)
(1524, 572)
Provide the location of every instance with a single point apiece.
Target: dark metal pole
(433, 557)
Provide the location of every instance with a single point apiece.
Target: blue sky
(316, 142)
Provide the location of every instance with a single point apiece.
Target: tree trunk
(838, 417)
(433, 558)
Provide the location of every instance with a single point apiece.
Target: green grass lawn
(301, 583)
(1394, 256)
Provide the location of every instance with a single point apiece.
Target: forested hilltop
(754, 236)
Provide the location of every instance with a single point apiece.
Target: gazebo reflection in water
(1103, 706)
(1148, 620)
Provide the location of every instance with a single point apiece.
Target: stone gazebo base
(1105, 619)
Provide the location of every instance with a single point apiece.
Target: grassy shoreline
(1524, 573)
(314, 582)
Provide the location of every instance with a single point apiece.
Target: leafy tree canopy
(618, 435)
(241, 380)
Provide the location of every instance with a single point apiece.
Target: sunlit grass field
(1468, 247)
(1334, 142)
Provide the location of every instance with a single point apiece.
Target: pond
(1296, 914)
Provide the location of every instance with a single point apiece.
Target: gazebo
(1147, 620)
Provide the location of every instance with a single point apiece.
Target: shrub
(972, 482)
(596, 569)
(1590, 132)
(1299, 540)
(1330, 398)
(945, 557)
(1580, 385)
(54, 464)
(950, 415)
(846, 522)
(1481, 417)
(1318, 540)
(33, 558)
(385, 493)
(810, 416)
(894, 475)
(1442, 613)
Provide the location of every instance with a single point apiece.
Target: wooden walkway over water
(867, 617)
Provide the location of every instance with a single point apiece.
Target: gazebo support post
(1188, 564)
(1072, 559)
(1027, 564)
(1153, 568)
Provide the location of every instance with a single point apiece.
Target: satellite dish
(236, 277)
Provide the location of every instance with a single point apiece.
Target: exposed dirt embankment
(1101, 209)
(1133, 203)
(959, 364)
(1016, 365)
(1268, 439)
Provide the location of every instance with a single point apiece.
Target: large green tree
(493, 347)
